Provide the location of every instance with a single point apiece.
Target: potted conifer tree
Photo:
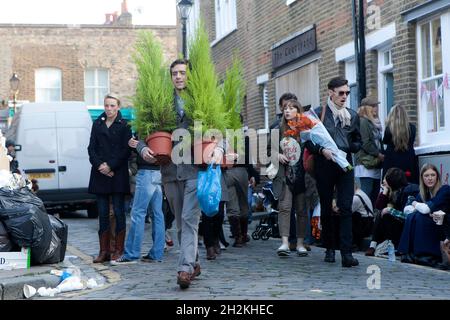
(153, 102)
(233, 98)
(203, 95)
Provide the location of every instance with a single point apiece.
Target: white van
(51, 146)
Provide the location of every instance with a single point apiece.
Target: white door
(38, 157)
(73, 132)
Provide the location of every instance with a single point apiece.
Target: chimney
(125, 18)
(110, 18)
(124, 7)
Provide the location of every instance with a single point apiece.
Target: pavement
(254, 272)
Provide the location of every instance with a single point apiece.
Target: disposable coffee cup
(28, 291)
(438, 217)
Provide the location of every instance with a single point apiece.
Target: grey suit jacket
(181, 172)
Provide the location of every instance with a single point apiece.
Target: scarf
(341, 114)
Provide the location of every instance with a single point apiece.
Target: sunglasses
(341, 93)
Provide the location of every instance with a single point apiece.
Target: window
(303, 82)
(431, 76)
(350, 75)
(225, 17)
(385, 82)
(47, 85)
(96, 86)
(193, 19)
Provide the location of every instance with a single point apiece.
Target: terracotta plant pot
(203, 153)
(227, 162)
(161, 144)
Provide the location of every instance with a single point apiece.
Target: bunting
(435, 93)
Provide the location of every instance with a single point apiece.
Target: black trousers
(330, 178)
(212, 227)
(387, 227)
(362, 227)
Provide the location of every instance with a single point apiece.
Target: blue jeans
(250, 203)
(103, 211)
(371, 187)
(148, 193)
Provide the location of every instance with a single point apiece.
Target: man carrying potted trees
(180, 185)
(153, 104)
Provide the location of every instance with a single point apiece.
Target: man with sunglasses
(343, 125)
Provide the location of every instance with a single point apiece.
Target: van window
(40, 142)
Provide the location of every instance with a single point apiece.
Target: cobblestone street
(253, 272)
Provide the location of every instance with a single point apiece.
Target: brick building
(299, 45)
(75, 62)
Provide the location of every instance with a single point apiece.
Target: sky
(149, 12)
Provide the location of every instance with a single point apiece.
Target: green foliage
(153, 101)
(203, 96)
(233, 98)
(233, 94)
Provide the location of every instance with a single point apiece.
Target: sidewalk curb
(12, 289)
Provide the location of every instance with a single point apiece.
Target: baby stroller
(268, 225)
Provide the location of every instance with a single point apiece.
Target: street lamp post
(184, 8)
(14, 85)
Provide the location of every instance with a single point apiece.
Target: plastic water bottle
(391, 251)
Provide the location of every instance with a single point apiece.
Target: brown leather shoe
(184, 279)
(370, 252)
(197, 272)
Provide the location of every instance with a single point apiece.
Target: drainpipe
(362, 53)
(356, 41)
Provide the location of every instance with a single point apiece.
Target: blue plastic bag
(209, 190)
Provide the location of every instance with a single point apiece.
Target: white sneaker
(283, 250)
(302, 252)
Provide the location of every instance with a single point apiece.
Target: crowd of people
(382, 196)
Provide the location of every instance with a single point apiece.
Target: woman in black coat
(108, 153)
(399, 137)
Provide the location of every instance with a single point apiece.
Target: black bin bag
(5, 243)
(26, 221)
(61, 230)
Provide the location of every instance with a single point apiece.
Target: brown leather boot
(217, 249)
(244, 228)
(210, 253)
(235, 223)
(120, 242)
(104, 254)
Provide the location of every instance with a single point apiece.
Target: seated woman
(421, 238)
(362, 217)
(391, 201)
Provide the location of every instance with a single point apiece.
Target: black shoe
(329, 256)
(348, 261)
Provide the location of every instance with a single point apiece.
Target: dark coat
(421, 235)
(405, 160)
(109, 145)
(347, 139)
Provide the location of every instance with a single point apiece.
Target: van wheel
(92, 211)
